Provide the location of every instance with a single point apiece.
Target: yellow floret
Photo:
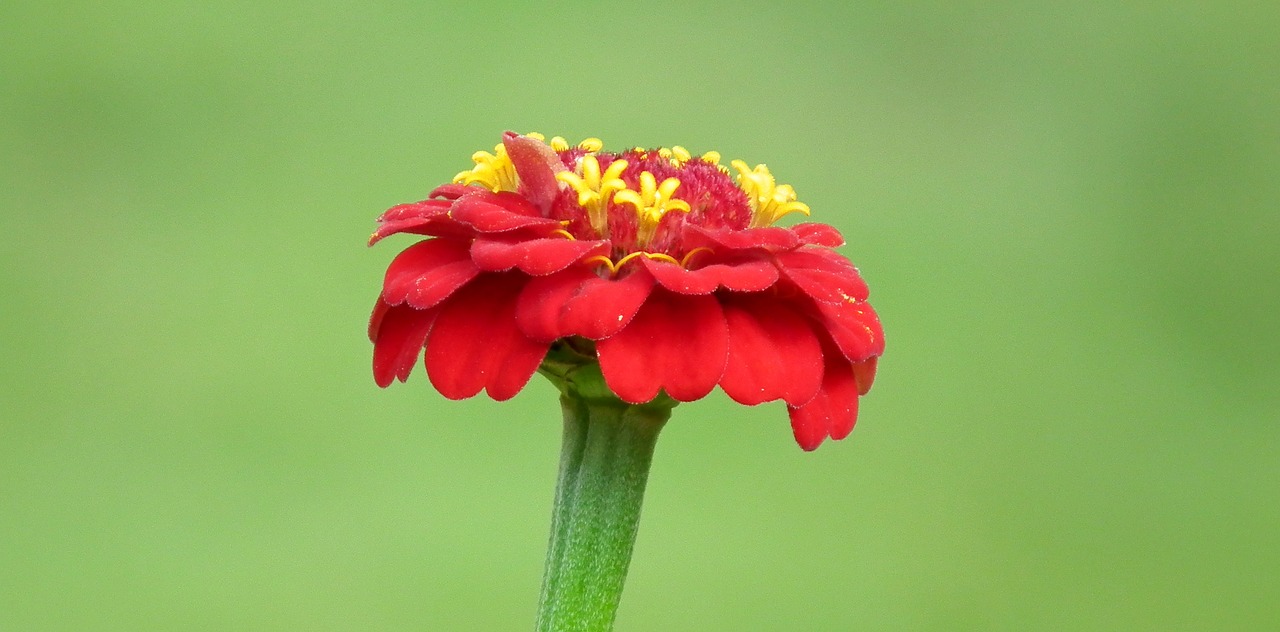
(769, 200)
(595, 189)
(651, 202)
(493, 171)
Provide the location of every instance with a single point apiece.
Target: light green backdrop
(1068, 213)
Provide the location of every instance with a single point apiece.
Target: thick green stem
(604, 464)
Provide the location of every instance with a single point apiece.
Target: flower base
(604, 466)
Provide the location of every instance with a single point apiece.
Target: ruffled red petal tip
(675, 343)
(832, 412)
(399, 333)
(823, 275)
(773, 354)
(417, 218)
(474, 343)
(428, 272)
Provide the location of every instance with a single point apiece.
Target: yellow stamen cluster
(769, 201)
(651, 202)
(493, 171)
(595, 190)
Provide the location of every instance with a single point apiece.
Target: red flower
(656, 263)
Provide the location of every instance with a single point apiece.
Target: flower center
(639, 200)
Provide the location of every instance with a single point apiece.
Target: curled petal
(497, 212)
(675, 343)
(773, 353)
(822, 274)
(451, 191)
(436, 227)
(398, 333)
(475, 343)
(537, 165)
(421, 218)
(832, 412)
(426, 209)
(854, 327)
(428, 272)
(818, 234)
(746, 276)
(533, 256)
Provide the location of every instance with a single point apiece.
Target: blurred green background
(1068, 213)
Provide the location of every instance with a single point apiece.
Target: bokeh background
(1068, 213)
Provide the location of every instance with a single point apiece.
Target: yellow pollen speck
(651, 202)
(769, 200)
(595, 189)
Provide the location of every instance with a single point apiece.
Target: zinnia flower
(660, 265)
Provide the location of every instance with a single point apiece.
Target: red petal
(818, 234)
(425, 209)
(417, 218)
(380, 310)
(747, 276)
(772, 238)
(773, 353)
(822, 274)
(475, 343)
(533, 256)
(854, 327)
(437, 227)
(603, 307)
(398, 339)
(536, 164)
(451, 191)
(497, 212)
(541, 302)
(832, 412)
(675, 343)
(428, 272)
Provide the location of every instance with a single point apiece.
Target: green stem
(604, 464)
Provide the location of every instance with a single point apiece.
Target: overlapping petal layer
(474, 343)
(645, 357)
(767, 313)
(773, 353)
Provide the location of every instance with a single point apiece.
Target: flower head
(661, 266)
